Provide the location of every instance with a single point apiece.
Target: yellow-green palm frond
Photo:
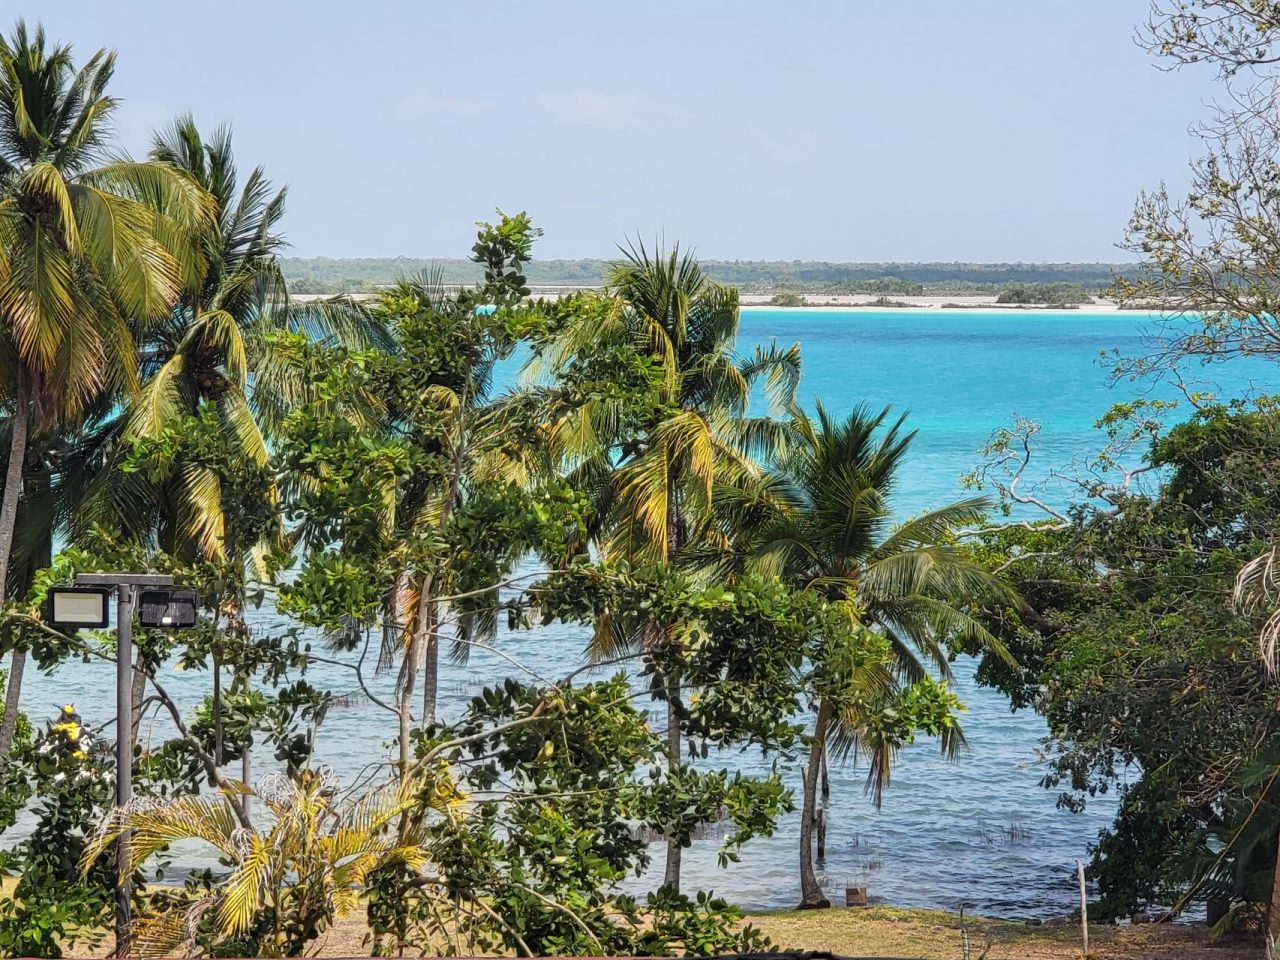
(200, 511)
(239, 417)
(645, 492)
(168, 933)
(42, 184)
(241, 895)
(153, 826)
(218, 331)
(36, 296)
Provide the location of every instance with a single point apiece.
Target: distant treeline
(1048, 293)
(332, 275)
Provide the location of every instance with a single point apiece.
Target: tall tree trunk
(218, 745)
(409, 676)
(430, 667)
(8, 521)
(675, 744)
(404, 701)
(675, 852)
(823, 811)
(811, 895)
(12, 695)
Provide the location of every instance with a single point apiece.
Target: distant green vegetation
(787, 300)
(356, 274)
(1046, 293)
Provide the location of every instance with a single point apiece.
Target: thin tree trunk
(246, 770)
(13, 480)
(404, 701)
(218, 751)
(811, 895)
(8, 521)
(409, 677)
(826, 806)
(430, 667)
(139, 692)
(675, 852)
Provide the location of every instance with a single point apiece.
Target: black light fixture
(79, 608)
(168, 609)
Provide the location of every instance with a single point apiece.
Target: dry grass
(899, 934)
(933, 935)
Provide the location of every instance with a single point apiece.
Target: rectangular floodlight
(169, 609)
(78, 608)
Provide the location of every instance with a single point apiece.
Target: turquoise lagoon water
(980, 832)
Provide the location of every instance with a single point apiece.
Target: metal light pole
(124, 584)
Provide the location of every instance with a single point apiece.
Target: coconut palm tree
(822, 517)
(217, 350)
(93, 249)
(653, 479)
(218, 346)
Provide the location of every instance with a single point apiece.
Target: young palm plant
(290, 880)
(93, 249)
(651, 469)
(822, 518)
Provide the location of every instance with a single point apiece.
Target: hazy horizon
(1000, 132)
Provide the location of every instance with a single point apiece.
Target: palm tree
(92, 250)
(823, 518)
(218, 347)
(653, 482)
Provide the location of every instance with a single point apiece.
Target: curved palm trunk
(8, 521)
(675, 852)
(811, 895)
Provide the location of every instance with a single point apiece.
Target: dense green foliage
(352, 469)
(353, 274)
(1149, 681)
(1051, 294)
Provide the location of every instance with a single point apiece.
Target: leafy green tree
(822, 517)
(401, 474)
(92, 250)
(649, 414)
(567, 782)
(1211, 257)
(53, 905)
(1129, 647)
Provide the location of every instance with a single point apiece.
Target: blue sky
(850, 130)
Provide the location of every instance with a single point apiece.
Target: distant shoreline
(821, 301)
(928, 302)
